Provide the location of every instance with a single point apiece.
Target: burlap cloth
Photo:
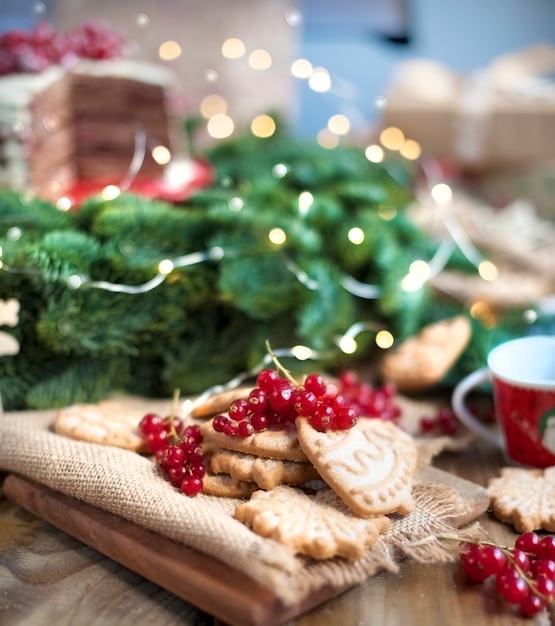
(131, 486)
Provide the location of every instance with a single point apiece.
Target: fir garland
(207, 321)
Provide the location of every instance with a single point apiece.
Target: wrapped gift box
(502, 115)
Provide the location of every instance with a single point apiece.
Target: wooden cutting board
(199, 579)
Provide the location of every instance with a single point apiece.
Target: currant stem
(173, 414)
(279, 366)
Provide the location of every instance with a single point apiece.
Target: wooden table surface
(46, 577)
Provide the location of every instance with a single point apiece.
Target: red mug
(522, 376)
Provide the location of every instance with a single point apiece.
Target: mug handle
(463, 413)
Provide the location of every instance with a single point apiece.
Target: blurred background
(471, 82)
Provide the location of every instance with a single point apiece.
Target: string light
(346, 344)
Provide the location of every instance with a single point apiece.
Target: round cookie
(108, 423)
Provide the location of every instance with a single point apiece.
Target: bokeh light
(233, 48)
(169, 50)
(263, 126)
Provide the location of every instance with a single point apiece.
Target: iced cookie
(370, 466)
(310, 525)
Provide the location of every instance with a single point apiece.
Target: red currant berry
(543, 567)
(231, 428)
(493, 560)
(345, 418)
(531, 605)
(511, 586)
(528, 542)
(259, 422)
(546, 548)
(305, 402)
(282, 398)
(267, 379)
(193, 433)
(521, 559)
(246, 429)
(472, 563)
(238, 409)
(258, 401)
(194, 454)
(316, 384)
(157, 440)
(176, 475)
(322, 418)
(219, 423)
(150, 423)
(197, 469)
(191, 485)
(175, 456)
(545, 588)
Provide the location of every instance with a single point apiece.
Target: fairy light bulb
(327, 139)
(161, 155)
(301, 68)
(220, 126)
(374, 153)
(235, 204)
(110, 192)
(487, 270)
(302, 353)
(213, 104)
(165, 267)
(169, 50)
(411, 150)
(306, 200)
(320, 80)
(355, 235)
(64, 204)
(233, 48)
(441, 193)
(263, 126)
(392, 138)
(260, 59)
(347, 345)
(384, 339)
(339, 124)
(277, 236)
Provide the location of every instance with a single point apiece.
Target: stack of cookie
(324, 493)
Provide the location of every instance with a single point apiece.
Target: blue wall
(464, 35)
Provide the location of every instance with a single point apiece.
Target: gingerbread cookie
(108, 422)
(225, 486)
(423, 360)
(310, 525)
(370, 466)
(281, 443)
(524, 498)
(266, 473)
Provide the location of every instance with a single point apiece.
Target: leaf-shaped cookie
(370, 466)
(524, 498)
(310, 525)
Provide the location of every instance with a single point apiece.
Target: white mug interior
(526, 362)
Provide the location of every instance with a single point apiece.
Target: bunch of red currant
(177, 449)
(443, 422)
(368, 400)
(278, 400)
(523, 575)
